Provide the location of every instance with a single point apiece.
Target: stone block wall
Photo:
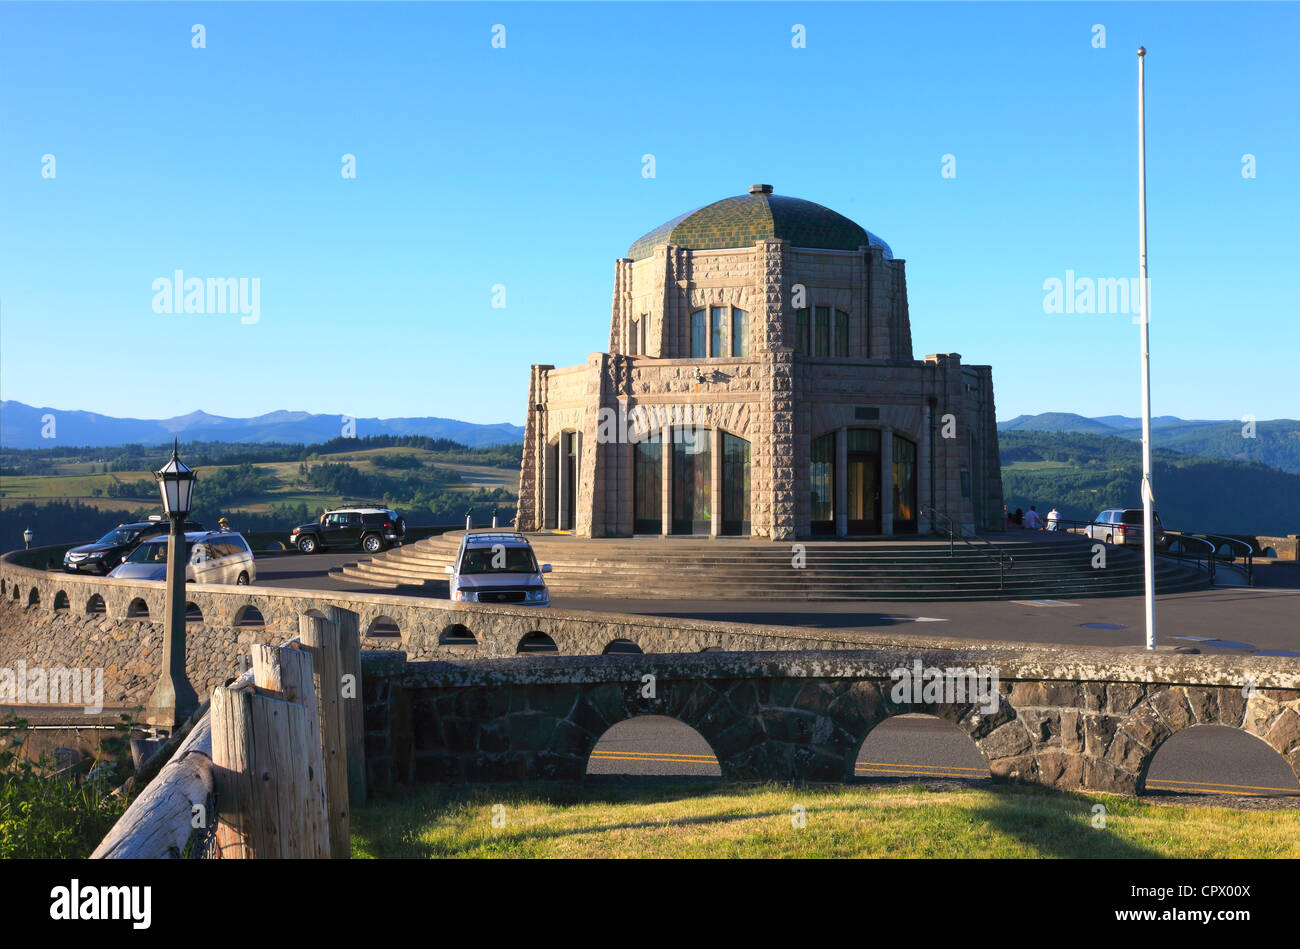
(1067, 719)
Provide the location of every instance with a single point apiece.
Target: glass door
(863, 477)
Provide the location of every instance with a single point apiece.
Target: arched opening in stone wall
(384, 626)
(138, 609)
(536, 642)
(34, 597)
(915, 745)
(95, 605)
(1270, 552)
(15, 591)
(1218, 759)
(60, 601)
(653, 746)
(623, 647)
(192, 613)
(457, 635)
(250, 616)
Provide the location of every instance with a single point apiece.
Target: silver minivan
(212, 557)
(1123, 526)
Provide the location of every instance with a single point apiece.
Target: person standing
(1032, 520)
(1053, 519)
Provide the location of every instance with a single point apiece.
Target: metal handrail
(957, 532)
(1176, 541)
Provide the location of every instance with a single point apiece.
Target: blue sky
(522, 166)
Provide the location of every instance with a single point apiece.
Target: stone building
(759, 381)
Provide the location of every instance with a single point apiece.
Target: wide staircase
(1041, 566)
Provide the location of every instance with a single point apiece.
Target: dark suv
(111, 549)
(370, 528)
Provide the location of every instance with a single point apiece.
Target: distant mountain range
(22, 426)
(1276, 442)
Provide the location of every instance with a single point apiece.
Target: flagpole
(1148, 499)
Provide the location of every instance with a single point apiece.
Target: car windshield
(119, 536)
(153, 552)
(500, 559)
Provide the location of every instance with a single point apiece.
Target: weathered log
(160, 821)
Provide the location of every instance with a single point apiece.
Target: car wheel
(242, 579)
(307, 545)
(372, 543)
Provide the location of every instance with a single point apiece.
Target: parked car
(109, 551)
(210, 557)
(494, 567)
(370, 528)
(1124, 526)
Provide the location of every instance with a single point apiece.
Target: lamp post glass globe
(27, 537)
(176, 485)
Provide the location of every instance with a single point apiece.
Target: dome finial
(760, 189)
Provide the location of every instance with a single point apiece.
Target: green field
(720, 820)
(74, 482)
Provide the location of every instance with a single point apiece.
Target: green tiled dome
(748, 218)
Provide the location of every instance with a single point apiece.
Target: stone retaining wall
(1067, 719)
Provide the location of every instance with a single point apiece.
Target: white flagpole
(1148, 500)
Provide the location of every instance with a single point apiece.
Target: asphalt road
(1199, 760)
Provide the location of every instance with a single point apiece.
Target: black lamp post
(174, 698)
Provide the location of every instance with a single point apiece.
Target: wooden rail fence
(272, 768)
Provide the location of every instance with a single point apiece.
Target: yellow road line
(946, 771)
(652, 755)
(1201, 785)
(895, 764)
(906, 770)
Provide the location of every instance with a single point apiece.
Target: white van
(213, 557)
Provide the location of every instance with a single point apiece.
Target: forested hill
(1272, 442)
(1081, 474)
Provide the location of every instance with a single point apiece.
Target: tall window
(822, 331)
(735, 484)
(692, 480)
(718, 316)
(802, 332)
(634, 337)
(904, 485)
(739, 332)
(841, 333)
(699, 335)
(647, 485)
(823, 484)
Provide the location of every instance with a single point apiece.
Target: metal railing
(1205, 549)
(956, 532)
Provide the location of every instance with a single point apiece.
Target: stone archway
(652, 745)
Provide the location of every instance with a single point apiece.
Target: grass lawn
(714, 820)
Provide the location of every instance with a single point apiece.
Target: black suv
(111, 549)
(370, 528)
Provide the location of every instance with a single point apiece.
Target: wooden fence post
(320, 638)
(288, 672)
(349, 626)
(264, 792)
